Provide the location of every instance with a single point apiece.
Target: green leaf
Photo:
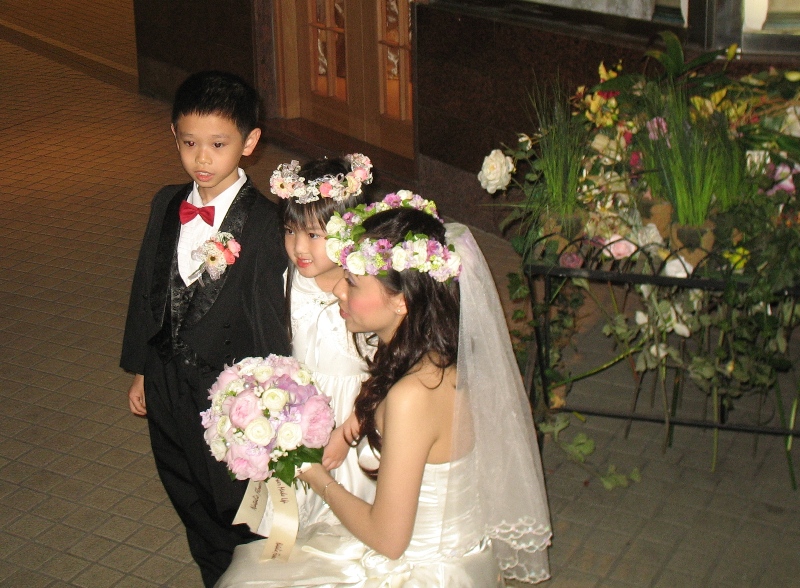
(580, 447)
(555, 426)
(612, 479)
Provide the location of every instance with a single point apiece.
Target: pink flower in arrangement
(248, 461)
(316, 421)
(244, 409)
(656, 128)
(571, 260)
(618, 247)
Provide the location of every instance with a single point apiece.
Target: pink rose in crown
(316, 421)
(325, 189)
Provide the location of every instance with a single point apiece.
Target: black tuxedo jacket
(239, 315)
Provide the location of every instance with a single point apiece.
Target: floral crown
(286, 181)
(377, 256)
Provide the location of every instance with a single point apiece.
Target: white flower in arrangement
(496, 171)
(333, 247)
(274, 399)
(290, 436)
(659, 351)
(262, 373)
(235, 387)
(791, 124)
(223, 424)
(678, 267)
(757, 160)
(218, 448)
(356, 263)
(640, 318)
(607, 147)
(259, 431)
(400, 259)
(335, 224)
(649, 235)
(525, 142)
(302, 377)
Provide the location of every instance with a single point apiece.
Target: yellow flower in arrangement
(737, 258)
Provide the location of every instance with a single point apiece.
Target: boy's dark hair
(221, 93)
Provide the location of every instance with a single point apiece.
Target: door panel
(353, 64)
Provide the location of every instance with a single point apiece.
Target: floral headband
(376, 256)
(286, 181)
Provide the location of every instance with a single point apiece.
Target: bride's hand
(315, 473)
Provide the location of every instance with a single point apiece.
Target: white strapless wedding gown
(446, 550)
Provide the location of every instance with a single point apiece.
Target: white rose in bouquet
(496, 171)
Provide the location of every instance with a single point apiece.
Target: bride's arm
(412, 420)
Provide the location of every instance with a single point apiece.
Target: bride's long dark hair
(430, 327)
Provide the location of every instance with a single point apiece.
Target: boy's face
(210, 147)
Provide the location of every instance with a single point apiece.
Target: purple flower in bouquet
(267, 418)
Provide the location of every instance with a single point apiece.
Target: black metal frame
(541, 333)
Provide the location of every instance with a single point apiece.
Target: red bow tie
(188, 211)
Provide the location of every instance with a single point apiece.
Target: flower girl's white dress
(321, 341)
(446, 549)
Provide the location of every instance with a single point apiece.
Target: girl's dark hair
(298, 216)
(430, 327)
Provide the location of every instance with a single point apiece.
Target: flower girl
(309, 195)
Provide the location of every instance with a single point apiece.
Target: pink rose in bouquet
(316, 421)
(267, 418)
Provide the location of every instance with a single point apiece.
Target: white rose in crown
(335, 225)
(400, 259)
(333, 247)
(290, 435)
(496, 171)
(356, 263)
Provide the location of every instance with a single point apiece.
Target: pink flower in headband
(286, 181)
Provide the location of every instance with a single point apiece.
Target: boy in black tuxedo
(185, 323)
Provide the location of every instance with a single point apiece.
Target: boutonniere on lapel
(216, 254)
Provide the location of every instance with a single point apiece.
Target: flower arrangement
(361, 256)
(267, 418)
(215, 255)
(286, 181)
(683, 171)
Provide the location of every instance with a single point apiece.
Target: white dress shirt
(196, 231)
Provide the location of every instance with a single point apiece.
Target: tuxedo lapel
(165, 254)
(206, 294)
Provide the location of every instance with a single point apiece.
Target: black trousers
(199, 487)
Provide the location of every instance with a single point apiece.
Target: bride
(460, 499)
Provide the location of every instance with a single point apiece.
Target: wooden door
(346, 65)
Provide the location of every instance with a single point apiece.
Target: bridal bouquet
(267, 418)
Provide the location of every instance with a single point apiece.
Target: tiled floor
(80, 503)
